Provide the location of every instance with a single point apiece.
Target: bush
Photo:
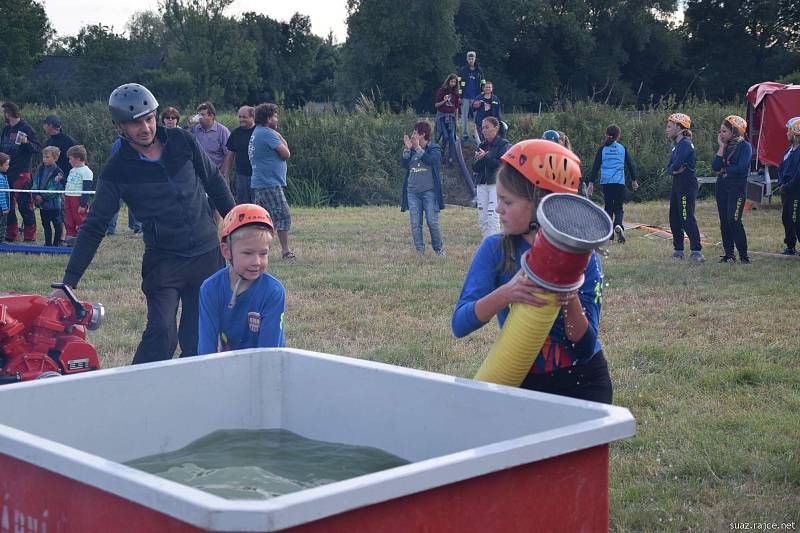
(352, 158)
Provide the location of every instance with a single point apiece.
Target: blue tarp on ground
(33, 249)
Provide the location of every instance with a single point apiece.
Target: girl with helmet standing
(611, 161)
(789, 182)
(732, 162)
(571, 362)
(241, 306)
(683, 196)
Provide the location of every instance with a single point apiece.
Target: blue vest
(612, 169)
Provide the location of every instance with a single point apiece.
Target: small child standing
(49, 178)
(5, 197)
(241, 306)
(611, 161)
(76, 204)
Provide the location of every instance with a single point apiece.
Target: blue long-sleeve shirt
(5, 199)
(736, 167)
(789, 171)
(683, 157)
(256, 320)
(558, 351)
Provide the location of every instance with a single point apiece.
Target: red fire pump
(44, 336)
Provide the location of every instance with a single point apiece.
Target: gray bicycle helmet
(130, 101)
(551, 135)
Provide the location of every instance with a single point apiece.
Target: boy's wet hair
(55, 151)
(4, 158)
(78, 151)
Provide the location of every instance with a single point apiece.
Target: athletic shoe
(677, 254)
(744, 260)
(727, 259)
(620, 233)
(789, 251)
(440, 253)
(697, 257)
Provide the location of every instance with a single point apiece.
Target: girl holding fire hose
(571, 361)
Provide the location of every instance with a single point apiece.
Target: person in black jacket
(164, 177)
(487, 161)
(18, 140)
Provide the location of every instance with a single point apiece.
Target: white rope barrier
(76, 193)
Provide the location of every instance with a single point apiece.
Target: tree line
(537, 52)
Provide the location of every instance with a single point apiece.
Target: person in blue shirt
(611, 161)
(571, 361)
(5, 197)
(789, 183)
(683, 196)
(241, 306)
(470, 85)
(732, 163)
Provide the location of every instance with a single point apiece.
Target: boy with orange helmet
(241, 306)
(571, 362)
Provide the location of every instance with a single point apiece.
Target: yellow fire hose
(520, 340)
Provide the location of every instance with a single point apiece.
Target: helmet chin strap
(130, 140)
(534, 224)
(239, 277)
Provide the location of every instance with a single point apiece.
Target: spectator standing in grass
(789, 183)
(76, 201)
(268, 152)
(52, 127)
(732, 163)
(683, 196)
(487, 104)
(487, 161)
(18, 140)
(470, 84)
(48, 177)
(210, 134)
(446, 103)
(422, 186)
(611, 161)
(237, 160)
(5, 197)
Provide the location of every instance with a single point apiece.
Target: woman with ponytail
(732, 162)
(611, 161)
(571, 362)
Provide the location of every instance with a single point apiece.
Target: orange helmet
(681, 120)
(738, 123)
(546, 164)
(244, 214)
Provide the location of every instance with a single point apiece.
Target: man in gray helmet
(164, 177)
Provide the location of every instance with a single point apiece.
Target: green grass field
(706, 357)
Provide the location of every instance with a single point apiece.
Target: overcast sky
(68, 16)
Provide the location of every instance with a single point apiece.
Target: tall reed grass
(342, 157)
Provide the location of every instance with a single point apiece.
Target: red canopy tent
(771, 106)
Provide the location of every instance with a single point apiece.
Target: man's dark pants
(166, 281)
